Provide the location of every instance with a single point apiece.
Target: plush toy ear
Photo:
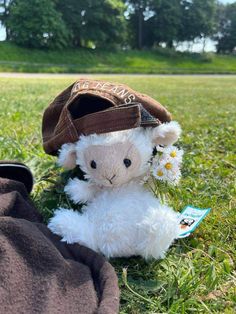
(67, 156)
(166, 133)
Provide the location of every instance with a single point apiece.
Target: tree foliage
(226, 36)
(94, 22)
(167, 20)
(72, 14)
(104, 24)
(159, 21)
(139, 13)
(198, 19)
(36, 24)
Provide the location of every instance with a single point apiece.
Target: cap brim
(18, 172)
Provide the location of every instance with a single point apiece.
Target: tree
(198, 19)
(72, 14)
(4, 14)
(36, 24)
(95, 22)
(167, 19)
(139, 15)
(104, 23)
(159, 21)
(226, 29)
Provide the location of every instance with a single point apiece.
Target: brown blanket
(40, 274)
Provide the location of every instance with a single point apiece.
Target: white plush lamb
(121, 217)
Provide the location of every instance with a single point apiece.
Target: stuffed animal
(120, 216)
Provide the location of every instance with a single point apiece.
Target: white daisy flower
(159, 173)
(167, 169)
(172, 152)
(168, 162)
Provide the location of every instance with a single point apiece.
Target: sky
(196, 47)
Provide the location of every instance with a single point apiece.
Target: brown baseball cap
(93, 106)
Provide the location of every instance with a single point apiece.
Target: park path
(76, 75)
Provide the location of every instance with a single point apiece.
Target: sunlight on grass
(198, 275)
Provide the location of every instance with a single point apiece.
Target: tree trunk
(7, 34)
(5, 16)
(170, 44)
(140, 29)
(203, 44)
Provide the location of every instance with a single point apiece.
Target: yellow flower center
(159, 173)
(168, 166)
(173, 154)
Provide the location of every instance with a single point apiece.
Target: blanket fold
(41, 274)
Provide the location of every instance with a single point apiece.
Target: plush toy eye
(127, 162)
(93, 164)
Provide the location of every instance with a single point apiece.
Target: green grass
(15, 59)
(198, 275)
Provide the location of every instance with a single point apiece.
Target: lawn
(198, 274)
(16, 59)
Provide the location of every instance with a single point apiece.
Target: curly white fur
(121, 217)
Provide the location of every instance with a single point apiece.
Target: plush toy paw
(79, 191)
(158, 231)
(72, 227)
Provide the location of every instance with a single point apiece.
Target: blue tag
(189, 219)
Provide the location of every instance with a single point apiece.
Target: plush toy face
(113, 159)
(112, 165)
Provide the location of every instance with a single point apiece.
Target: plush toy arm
(73, 227)
(80, 191)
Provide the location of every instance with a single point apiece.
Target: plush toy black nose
(127, 162)
(110, 180)
(93, 164)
